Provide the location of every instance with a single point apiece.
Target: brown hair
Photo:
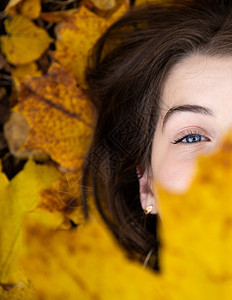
(125, 77)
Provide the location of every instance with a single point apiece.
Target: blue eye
(191, 139)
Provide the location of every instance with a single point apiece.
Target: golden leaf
(196, 232)
(22, 290)
(59, 115)
(24, 42)
(22, 72)
(27, 8)
(65, 196)
(195, 254)
(84, 264)
(19, 197)
(77, 36)
(16, 131)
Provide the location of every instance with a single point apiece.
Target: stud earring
(148, 209)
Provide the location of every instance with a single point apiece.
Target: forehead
(199, 80)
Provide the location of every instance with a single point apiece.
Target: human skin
(199, 81)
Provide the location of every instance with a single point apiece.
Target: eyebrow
(187, 108)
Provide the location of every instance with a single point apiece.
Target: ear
(146, 194)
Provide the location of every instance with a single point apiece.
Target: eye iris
(194, 138)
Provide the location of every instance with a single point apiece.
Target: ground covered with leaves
(47, 250)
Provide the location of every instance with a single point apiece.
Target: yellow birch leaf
(19, 197)
(22, 72)
(59, 115)
(27, 8)
(24, 42)
(77, 36)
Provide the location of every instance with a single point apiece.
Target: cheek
(173, 173)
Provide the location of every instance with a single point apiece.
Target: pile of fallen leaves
(47, 250)
(44, 51)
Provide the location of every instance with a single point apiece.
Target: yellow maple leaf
(27, 8)
(195, 254)
(24, 42)
(84, 264)
(196, 232)
(59, 115)
(18, 197)
(76, 36)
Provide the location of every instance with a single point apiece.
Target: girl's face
(196, 110)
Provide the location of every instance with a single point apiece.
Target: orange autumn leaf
(24, 42)
(60, 117)
(76, 37)
(27, 8)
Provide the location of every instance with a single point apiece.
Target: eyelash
(185, 134)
